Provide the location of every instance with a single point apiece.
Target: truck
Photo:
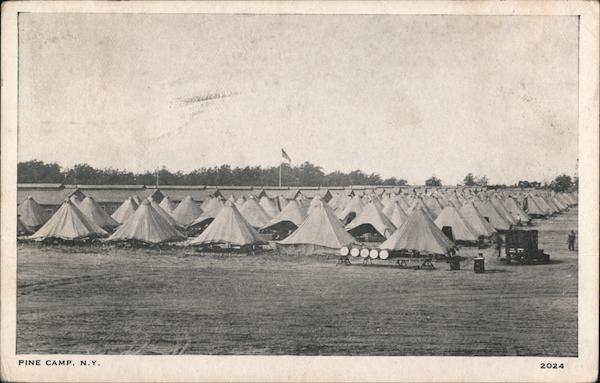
(522, 247)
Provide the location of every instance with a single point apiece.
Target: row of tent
(402, 222)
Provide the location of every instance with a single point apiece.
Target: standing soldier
(571, 240)
(499, 244)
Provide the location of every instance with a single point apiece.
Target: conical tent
(292, 214)
(213, 204)
(167, 204)
(186, 212)
(515, 210)
(320, 233)
(419, 204)
(254, 213)
(32, 214)
(533, 208)
(125, 211)
(282, 201)
(75, 200)
(146, 225)
(68, 223)
(208, 215)
(404, 204)
(559, 204)
(354, 206)
(398, 217)
(93, 211)
(375, 200)
(269, 206)
(22, 229)
(461, 230)
(163, 213)
(552, 205)
(487, 210)
(228, 227)
(479, 224)
(419, 233)
(240, 202)
(370, 219)
(544, 205)
(502, 210)
(434, 206)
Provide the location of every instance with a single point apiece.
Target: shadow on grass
(551, 262)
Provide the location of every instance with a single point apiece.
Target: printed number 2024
(552, 365)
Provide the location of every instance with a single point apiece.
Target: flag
(285, 155)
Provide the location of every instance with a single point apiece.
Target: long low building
(110, 197)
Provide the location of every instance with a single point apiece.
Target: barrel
(344, 251)
(384, 254)
(373, 253)
(454, 263)
(479, 265)
(364, 253)
(355, 252)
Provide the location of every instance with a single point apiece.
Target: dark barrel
(479, 264)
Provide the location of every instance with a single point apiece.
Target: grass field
(121, 301)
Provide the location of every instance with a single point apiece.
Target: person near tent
(518, 219)
(499, 244)
(571, 240)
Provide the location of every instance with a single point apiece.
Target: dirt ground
(118, 301)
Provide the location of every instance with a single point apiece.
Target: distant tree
(469, 180)
(39, 172)
(83, 174)
(481, 181)
(305, 174)
(433, 181)
(393, 181)
(561, 183)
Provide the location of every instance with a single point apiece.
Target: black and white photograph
(300, 184)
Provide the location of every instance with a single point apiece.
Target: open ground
(138, 301)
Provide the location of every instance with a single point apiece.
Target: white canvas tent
(320, 233)
(163, 213)
(371, 219)
(515, 210)
(419, 233)
(229, 227)
(397, 216)
(351, 210)
(167, 205)
(212, 209)
(93, 211)
(68, 223)
(186, 212)
(148, 226)
(32, 214)
(476, 221)
(126, 210)
(22, 229)
(254, 213)
(461, 230)
(292, 216)
(488, 211)
(270, 206)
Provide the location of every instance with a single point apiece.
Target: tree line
(305, 174)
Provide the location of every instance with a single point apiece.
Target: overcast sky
(404, 96)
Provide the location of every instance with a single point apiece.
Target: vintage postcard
(299, 191)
